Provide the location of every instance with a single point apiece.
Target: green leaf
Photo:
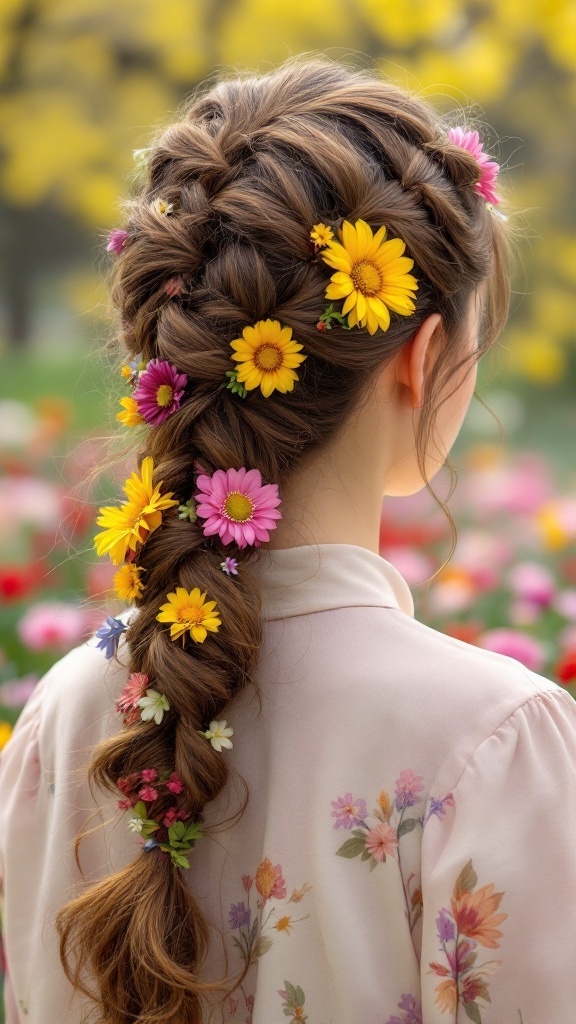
(263, 945)
(351, 848)
(291, 991)
(179, 859)
(365, 855)
(300, 997)
(373, 864)
(473, 1012)
(467, 878)
(139, 809)
(406, 826)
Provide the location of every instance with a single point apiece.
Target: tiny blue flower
(149, 844)
(109, 635)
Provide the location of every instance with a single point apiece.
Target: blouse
(408, 851)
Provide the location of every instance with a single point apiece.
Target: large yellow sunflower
(128, 526)
(267, 355)
(371, 275)
(189, 611)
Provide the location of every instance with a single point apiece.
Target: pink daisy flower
(159, 391)
(489, 168)
(381, 841)
(237, 506)
(128, 700)
(229, 566)
(117, 240)
(149, 775)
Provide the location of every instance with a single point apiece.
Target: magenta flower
(408, 789)
(229, 566)
(348, 812)
(159, 391)
(237, 506)
(149, 775)
(117, 240)
(489, 168)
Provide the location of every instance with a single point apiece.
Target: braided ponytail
(231, 193)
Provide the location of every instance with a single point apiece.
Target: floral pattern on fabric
(255, 927)
(471, 922)
(374, 843)
(412, 1008)
(293, 1005)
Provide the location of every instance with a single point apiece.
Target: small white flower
(154, 704)
(218, 734)
(136, 824)
(162, 207)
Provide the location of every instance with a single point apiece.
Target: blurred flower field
(510, 586)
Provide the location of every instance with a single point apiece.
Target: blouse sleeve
(19, 782)
(499, 877)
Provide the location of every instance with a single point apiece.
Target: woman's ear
(414, 361)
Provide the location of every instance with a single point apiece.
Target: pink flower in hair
(175, 784)
(489, 168)
(173, 286)
(117, 240)
(237, 506)
(149, 775)
(159, 391)
(127, 702)
(148, 793)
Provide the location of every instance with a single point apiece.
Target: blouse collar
(314, 578)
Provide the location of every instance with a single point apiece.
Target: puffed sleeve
(44, 801)
(19, 783)
(499, 876)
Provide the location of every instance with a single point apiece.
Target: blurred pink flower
(514, 644)
(30, 501)
(517, 489)
(54, 624)
(454, 591)
(15, 692)
(414, 566)
(532, 582)
(524, 613)
(565, 603)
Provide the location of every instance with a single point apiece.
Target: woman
(304, 288)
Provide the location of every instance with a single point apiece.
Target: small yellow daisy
(188, 611)
(127, 582)
(371, 276)
(130, 417)
(321, 234)
(126, 371)
(267, 355)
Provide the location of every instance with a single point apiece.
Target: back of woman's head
(249, 168)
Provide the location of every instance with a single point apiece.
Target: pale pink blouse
(408, 852)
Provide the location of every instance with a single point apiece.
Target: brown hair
(250, 166)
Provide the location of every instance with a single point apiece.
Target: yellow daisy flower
(371, 276)
(128, 526)
(187, 611)
(130, 417)
(321, 234)
(126, 371)
(267, 355)
(127, 582)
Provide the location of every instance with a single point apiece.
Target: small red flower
(565, 669)
(148, 793)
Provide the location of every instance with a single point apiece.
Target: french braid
(250, 166)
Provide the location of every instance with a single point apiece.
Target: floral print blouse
(408, 851)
